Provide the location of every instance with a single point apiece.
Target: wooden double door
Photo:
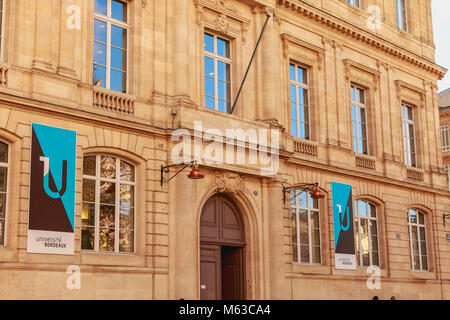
(222, 251)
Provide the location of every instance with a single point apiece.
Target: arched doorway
(222, 243)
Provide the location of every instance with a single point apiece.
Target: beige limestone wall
(47, 78)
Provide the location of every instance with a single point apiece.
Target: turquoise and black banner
(52, 190)
(344, 235)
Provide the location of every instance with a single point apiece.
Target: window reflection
(418, 240)
(110, 52)
(305, 227)
(366, 234)
(108, 204)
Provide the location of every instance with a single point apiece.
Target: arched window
(3, 188)
(366, 234)
(108, 212)
(305, 227)
(417, 240)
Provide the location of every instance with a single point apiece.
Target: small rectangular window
(217, 68)
(401, 14)
(108, 210)
(445, 138)
(409, 139)
(3, 188)
(2, 19)
(366, 234)
(305, 226)
(446, 169)
(110, 45)
(417, 240)
(354, 2)
(299, 101)
(359, 120)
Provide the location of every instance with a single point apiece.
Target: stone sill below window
(112, 259)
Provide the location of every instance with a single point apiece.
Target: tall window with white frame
(417, 240)
(445, 138)
(401, 14)
(354, 2)
(108, 213)
(299, 89)
(359, 120)
(2, 21)
(366, 234)
(305, 227)
(3, 188)
(110, 45)
(217, 59)
(446, 169)
(409, 140)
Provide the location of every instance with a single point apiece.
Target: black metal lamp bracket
(165, 170)
(305, 186)
(444, 216)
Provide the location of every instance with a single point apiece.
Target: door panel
(232, 279)
(221, 250)
(210, 265)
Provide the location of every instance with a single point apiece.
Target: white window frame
(305, 86)
(356, 3)
(216, 57)
(369, 221)
(402, 22)
(98, 179)
(2, 32)
(418, 225)
(297, 208)
(358, 106)
(109, 22)
(6, 165)
(447, 171)
(445, 140)
(406, 137)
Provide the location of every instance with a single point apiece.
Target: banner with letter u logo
(344, 236)
(52, 190)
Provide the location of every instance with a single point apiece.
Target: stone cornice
(362, 36)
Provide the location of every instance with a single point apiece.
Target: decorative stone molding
(289, 40)
(382, 65)
(144, 3)
(410, 93)
(414, 174)
(113, 101)
(222, 25)
(348, 64)
(365, 162)
(225, 16)
(227, 182)
(3, 75)
(364, 37)
(305, 147)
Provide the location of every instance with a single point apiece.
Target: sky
(441, 28)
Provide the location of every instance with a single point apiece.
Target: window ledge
(359, 272)
(113, 259)
(426, 275)
(298, 268)
(6, 254)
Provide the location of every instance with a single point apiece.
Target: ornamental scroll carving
(221, 16)
(227, 182)
(222, 25)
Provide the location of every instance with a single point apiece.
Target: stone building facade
(125, 75)
(444, 117)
